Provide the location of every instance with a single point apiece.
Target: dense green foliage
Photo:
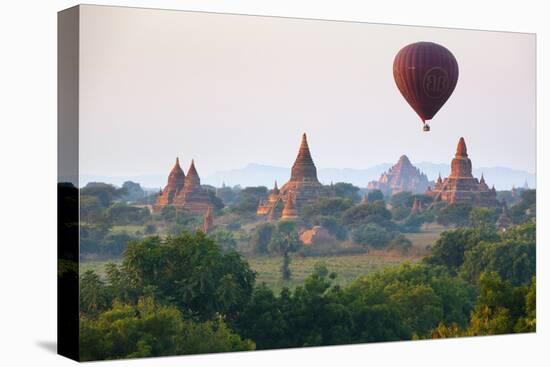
(500, 309)
(186, 295)
(450, 247)
(372, 235)
(473, 251)
(512, 257)
(375, 195)
(148, 329)
(454, 214)
(346, 191)
(375, 212)
(329, 206)
(526, 209)
(390, 305)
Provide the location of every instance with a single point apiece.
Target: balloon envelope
(426, 74)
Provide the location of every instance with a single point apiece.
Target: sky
(229, 90)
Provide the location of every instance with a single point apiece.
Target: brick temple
(184, 192)
(461, 186)
(402, 176)
(302, 187)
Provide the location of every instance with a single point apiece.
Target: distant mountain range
(263, 175)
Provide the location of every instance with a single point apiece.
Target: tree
(150, 330)
(91, 209)
(375, 195)
(494, 312)
(346, 191)
(512, 257)
(418, 297)
(285, 240)
(449, 249)
(123, 214)
(528, 322)
(326, 206)
(402, 199)
(526, 209)
(371, 234)
(454, 214)
(483, 218)
(168, 213)
(400, 243)
(261, 237)
(134, 192)
(93, 294)
(375, 212)
(216, 201)
(191, 272)
(105, 193)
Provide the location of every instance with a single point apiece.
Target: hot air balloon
(426, 74)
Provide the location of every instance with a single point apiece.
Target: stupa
(176, 180)
(188, 196)
(303, 186)
(461, 186)
(193, 198)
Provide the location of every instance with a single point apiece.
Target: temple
(176, 179)
(302, 187)
(461, 186)
(184, 192)
(402, 176)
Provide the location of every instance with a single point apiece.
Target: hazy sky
(230, 90)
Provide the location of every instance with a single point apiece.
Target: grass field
(267, 268)
(347, 268)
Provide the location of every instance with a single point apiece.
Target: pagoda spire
(192, 180)
(482, 180)
(303, 168)
(461, 165)
(461, 150)
(275, 188)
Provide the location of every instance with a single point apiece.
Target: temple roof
(176, 170)
(304, 154)
(303, 168)
(461, 150)
(192, 178)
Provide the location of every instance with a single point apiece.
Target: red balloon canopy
(426, 74)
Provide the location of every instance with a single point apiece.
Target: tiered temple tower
(189, 195)
(402, 176)
(176, 180)
(303, 185)
(461, 186)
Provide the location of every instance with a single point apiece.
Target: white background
(28, 182)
